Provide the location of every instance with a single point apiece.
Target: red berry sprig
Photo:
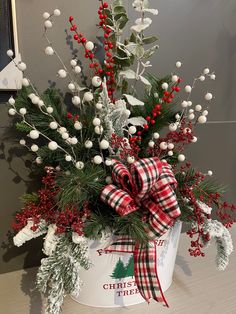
(81, 39)
(71, 116)
(168, 96)
(45, 208)
(108, 46)
(125, 150)
(156, 111)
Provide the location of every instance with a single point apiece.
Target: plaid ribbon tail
(145, 267)
(121, 245)
(145, 271)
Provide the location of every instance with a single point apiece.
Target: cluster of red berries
(179, 138)
(196, 246)
(72, 117)
(70, 219)
(45, 208)
(151, 120)
(108, 46)
(224, 209)
(182, 137)
(78, 223)
(125, 149)
(192, 181)
(202, 236)
(168, 96)
(199, 218)
(81, 39)
(156, 111)
(224, 213)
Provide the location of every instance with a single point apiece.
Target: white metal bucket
(110, 281)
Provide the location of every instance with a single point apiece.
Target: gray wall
(200, 33)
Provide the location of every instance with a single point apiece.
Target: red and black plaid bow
(149, 185)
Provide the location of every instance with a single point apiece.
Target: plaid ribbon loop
(148, 185)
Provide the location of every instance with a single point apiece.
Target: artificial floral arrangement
(114, 162)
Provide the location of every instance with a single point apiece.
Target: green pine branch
(152, 98)
(78, 186)
(132, 225)
(22, 127)
(208, 187)
(186, 211)
(185, 178)
(103, 220)
(29, 198)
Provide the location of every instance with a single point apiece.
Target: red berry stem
(108, 47)
(156, 111)
(45, 208)
(81, 39)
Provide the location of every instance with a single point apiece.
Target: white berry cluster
(48, 17)
(196, 114)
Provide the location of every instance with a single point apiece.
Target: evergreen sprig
(132, 225)
(105, 220)
(100, 222)
(186, 211)
(185, 178)
(22, 127)
(151, 99)
(29, 198)
(209, 187)
(77, 186)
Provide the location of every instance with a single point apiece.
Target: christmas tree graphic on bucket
(121, 271)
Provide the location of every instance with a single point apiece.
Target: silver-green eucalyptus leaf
(133, 101)
(141, 24)
(144, 80)
(128, 74)
(149, 40)
(148, 53)
(137, 121)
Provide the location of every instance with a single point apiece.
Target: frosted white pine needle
(77, 239)
(205, 208)
(50, 241)
(27, 233)
(223, 239)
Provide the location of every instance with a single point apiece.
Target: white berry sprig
(34, 134)
(198, 114)
(64, 72)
